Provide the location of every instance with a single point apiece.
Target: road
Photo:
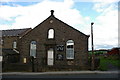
(63, 76)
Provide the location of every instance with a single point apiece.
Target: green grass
(103, 65)
(114, 62)
(97, 52)
(111, 59)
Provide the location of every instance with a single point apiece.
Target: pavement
(60, 72)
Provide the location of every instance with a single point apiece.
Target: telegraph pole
(92, 62)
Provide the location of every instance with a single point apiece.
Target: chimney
(52, 12)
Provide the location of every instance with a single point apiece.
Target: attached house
(9, 42)
(52, 44)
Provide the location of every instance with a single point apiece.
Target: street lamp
(92, 62)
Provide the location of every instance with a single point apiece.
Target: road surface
(62, 76)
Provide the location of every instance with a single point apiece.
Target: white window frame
(33, 49)
(14, 44)
(70, 51)
(2, 42)
(51, 33)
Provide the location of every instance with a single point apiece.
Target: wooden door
(50, 59)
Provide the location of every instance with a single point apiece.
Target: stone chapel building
(54, 45)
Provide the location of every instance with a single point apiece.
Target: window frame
(70, 56)
(33, 48)
(53, 34)
(2, 42)
(14, 44)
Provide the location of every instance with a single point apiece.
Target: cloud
(106, 26)
(6, 0)
(4, 27)
(30, 16)
(102, 6)
(119, 24)
(60, 0)
(105, 1)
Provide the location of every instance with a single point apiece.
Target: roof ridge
(16, 29)
(14, 32)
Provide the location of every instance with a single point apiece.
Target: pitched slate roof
(14, 32)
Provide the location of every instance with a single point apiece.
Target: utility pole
(92, 58)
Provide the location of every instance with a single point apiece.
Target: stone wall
(63, 33)
(8, 41)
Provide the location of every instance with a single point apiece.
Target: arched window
(70, 49)
(14, 44)
(51, 34)
(33, 49)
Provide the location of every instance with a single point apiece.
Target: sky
(16, 14)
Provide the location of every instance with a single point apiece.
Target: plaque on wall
(60, 48)
(59, 57)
